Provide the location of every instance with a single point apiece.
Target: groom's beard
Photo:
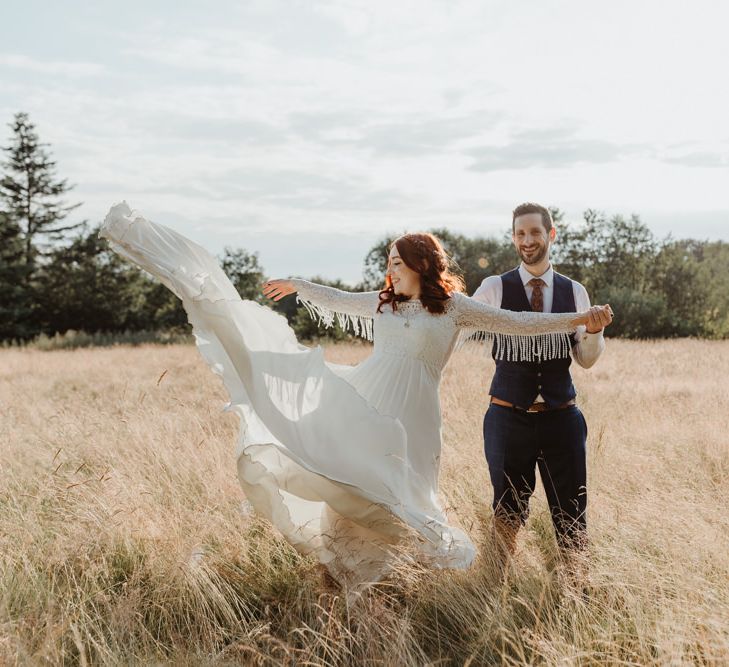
(537, 256)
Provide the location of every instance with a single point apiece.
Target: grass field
(124, 539)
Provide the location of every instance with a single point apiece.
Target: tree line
(57, 275)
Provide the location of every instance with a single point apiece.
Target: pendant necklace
(406, 314)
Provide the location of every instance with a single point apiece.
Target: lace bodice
(412, 331)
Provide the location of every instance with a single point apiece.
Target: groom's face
(531, 238)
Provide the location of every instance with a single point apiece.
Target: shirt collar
(547, 276)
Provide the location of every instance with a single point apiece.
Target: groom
(533, 420)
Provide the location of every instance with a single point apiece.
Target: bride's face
(404, 280)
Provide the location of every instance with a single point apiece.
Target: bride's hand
(595, 319)
(278, 289)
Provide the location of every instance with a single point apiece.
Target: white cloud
(28, 64)
(357, 118)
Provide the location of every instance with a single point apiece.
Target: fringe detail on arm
(516, 347)
(360, 326)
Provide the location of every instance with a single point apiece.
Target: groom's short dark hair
(530, 207)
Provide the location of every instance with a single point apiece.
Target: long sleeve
(517, 336)
(589, 346)
(473, 314)
(353, 310)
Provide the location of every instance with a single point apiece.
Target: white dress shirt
(589, 346)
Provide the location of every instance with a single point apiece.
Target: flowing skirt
(316, 455)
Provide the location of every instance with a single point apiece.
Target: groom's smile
(533, 254)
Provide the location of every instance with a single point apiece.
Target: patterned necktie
(537, 300)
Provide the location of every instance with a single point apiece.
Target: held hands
(595, 319)
(278, 289)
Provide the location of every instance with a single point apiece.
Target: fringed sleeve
(517, 336)
(353, 310)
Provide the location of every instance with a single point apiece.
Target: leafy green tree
(675, 274)
(638, 314)
(88, 287)
(244, 271)
(159, 309)
(613, 258)
(604, 252)
(712, 275)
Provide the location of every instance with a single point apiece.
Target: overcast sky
(306, 130)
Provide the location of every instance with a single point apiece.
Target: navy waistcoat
(520, 382)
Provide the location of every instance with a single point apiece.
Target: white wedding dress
(342, 460)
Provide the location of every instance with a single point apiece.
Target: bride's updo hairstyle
(424, 254)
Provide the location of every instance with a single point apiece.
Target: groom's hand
(598, 318)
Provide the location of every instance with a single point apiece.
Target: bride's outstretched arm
(359, 304)
(472, 314)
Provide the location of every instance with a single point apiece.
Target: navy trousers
(516, 443)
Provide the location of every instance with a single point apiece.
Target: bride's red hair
(424, 254)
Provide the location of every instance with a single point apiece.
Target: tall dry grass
(124, 538)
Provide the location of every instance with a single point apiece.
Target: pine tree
(31, 194)
(15, 301)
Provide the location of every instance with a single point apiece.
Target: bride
(342, 460)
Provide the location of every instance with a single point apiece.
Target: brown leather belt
(534, 407)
